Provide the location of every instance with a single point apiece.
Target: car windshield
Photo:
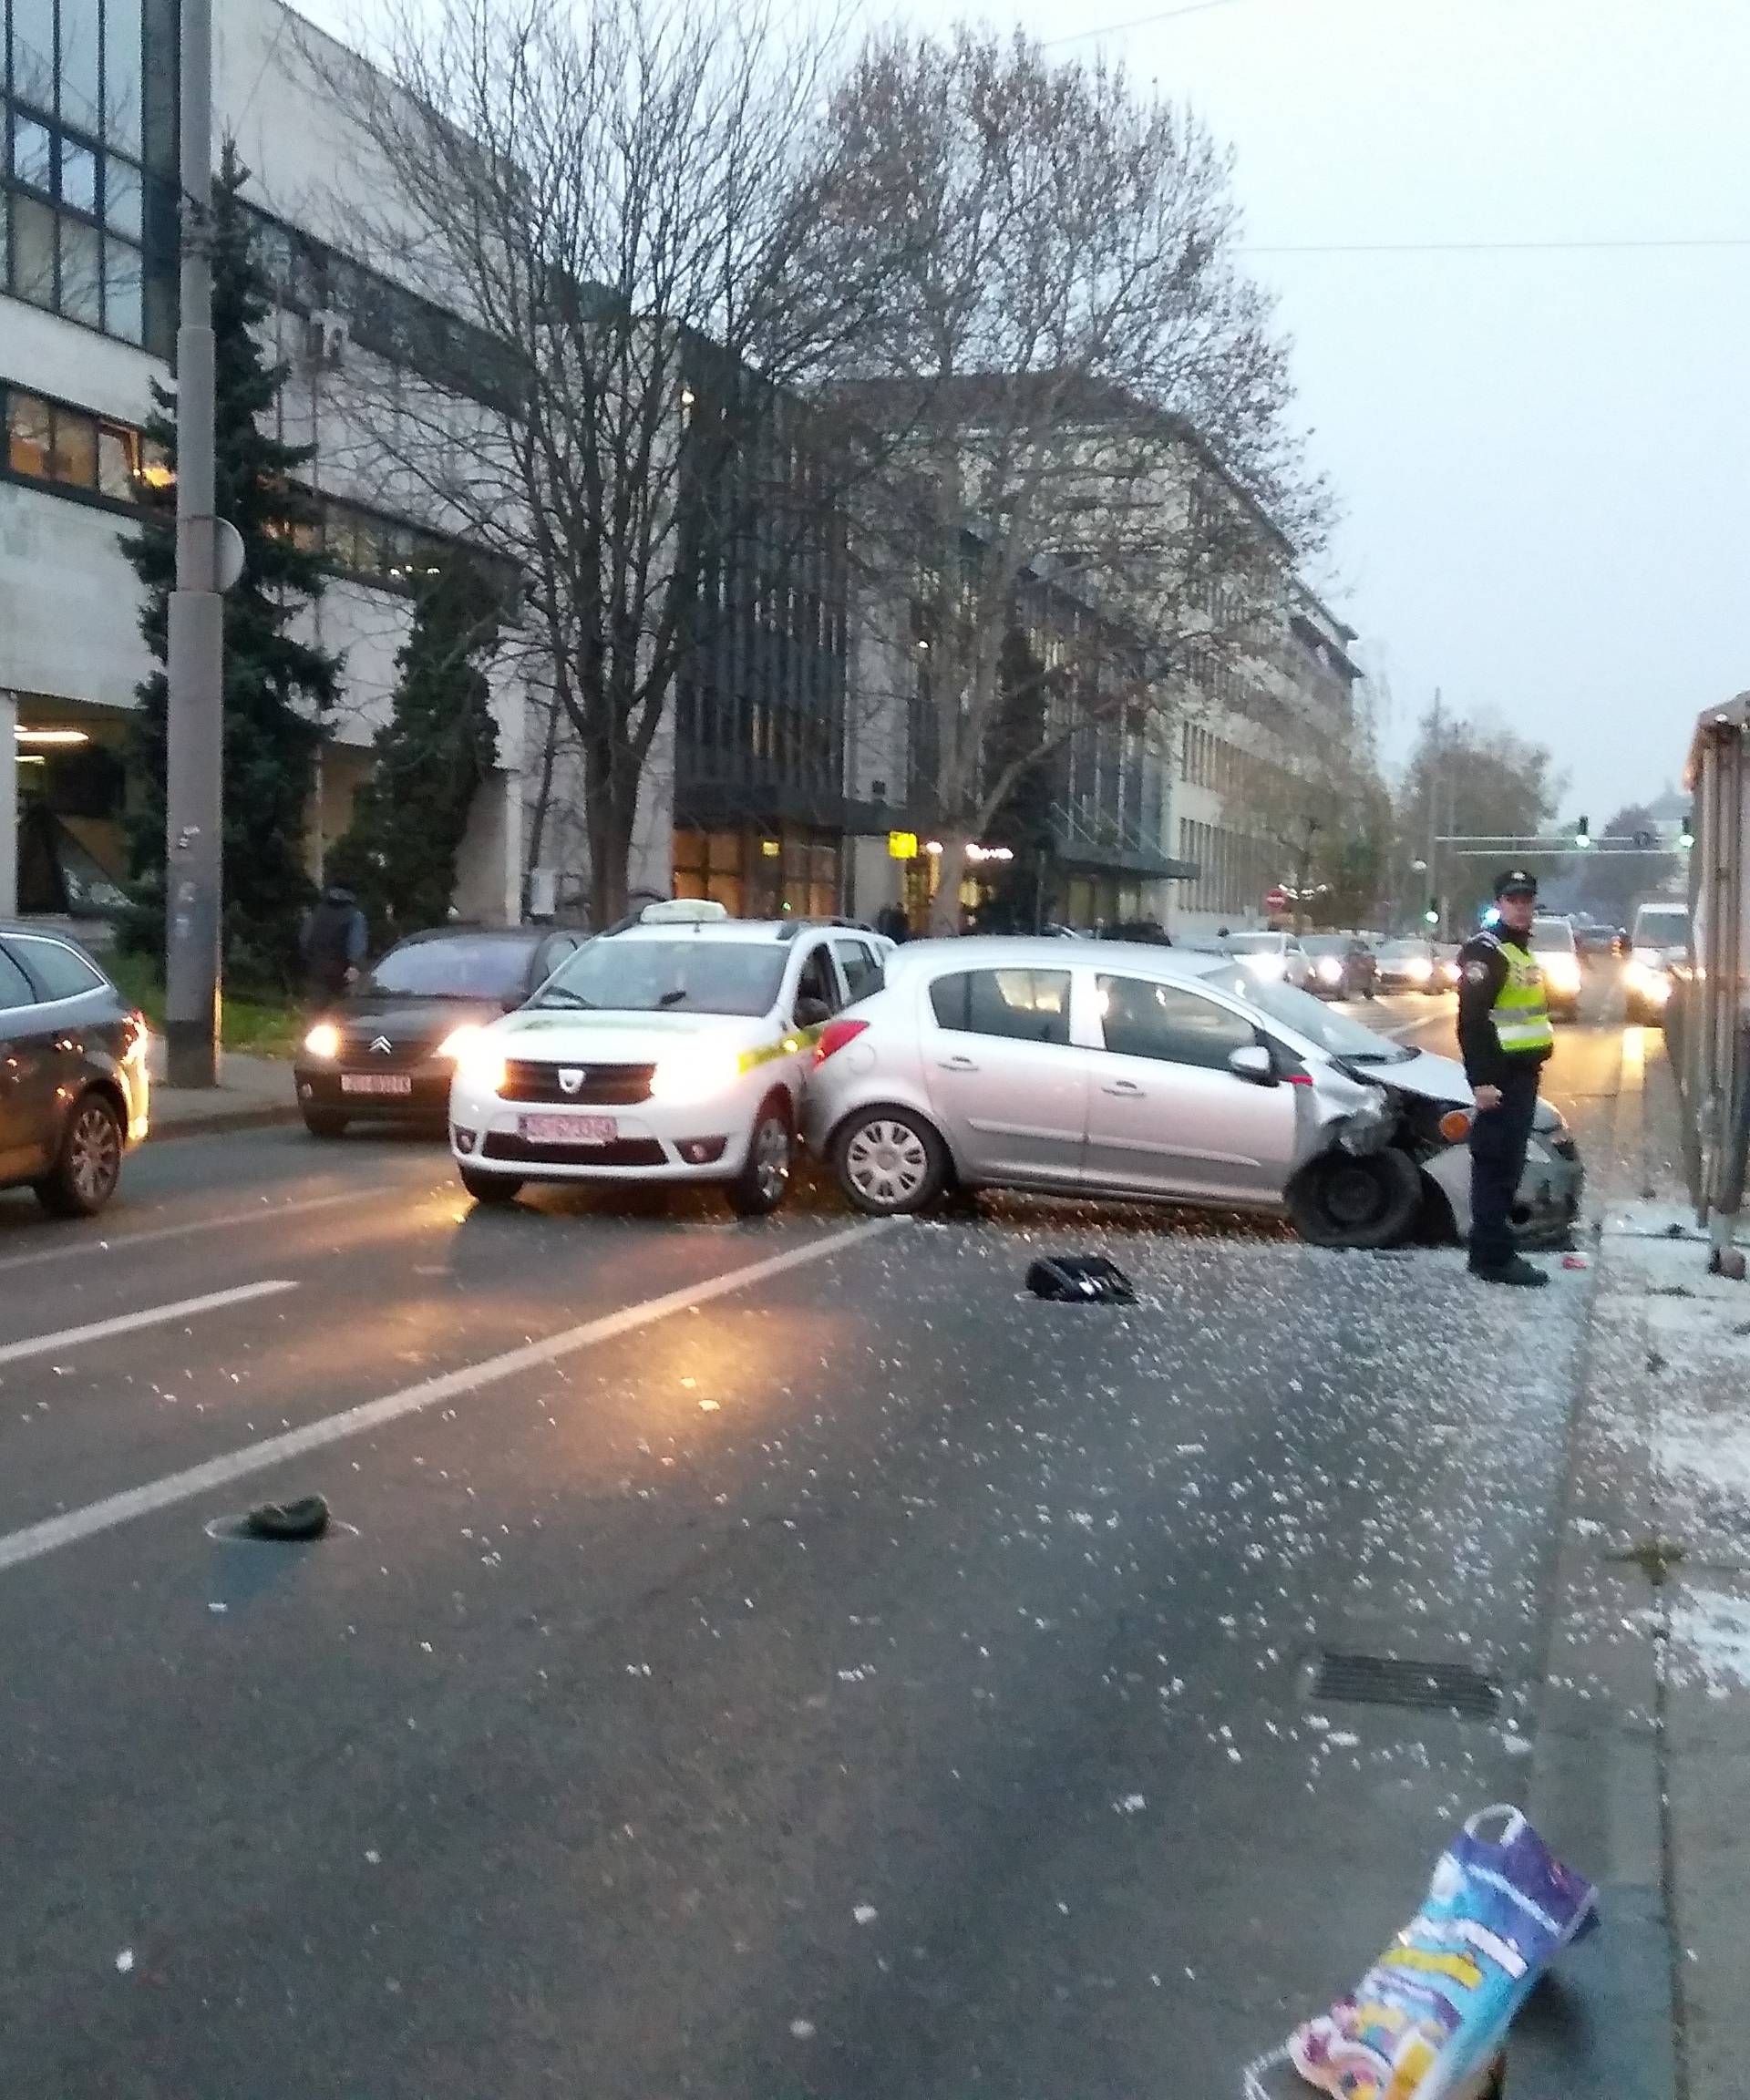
(1312, 1018)
(1255, 944)
(686, 976)
(468, 966)
(1668, 927)
(1407, 951)
(1325, 944)
(1552, 937)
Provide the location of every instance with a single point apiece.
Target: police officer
(1505, 1038)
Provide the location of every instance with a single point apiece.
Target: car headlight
(1564, 972)
(1647, 983)
(323, 1041)
(1420, 968)
(693, 1075)
(479, 1059)
(1263, 965)
(459, 1040)
(1329, 970)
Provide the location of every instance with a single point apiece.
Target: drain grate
(1392, 1681)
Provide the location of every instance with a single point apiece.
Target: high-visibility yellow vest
(1520, 1017)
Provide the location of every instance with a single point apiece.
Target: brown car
(73, 1092)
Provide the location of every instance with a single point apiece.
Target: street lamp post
(194, 812)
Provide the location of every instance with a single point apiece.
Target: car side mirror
(1253, 1061)
(812, 1012)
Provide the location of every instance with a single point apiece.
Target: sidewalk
(252, 1091)
(1642, 1765)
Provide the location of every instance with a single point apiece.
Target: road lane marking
(54, 1532)
(263, 1214)
(127, 1323)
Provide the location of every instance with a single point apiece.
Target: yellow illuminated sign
(901, 845)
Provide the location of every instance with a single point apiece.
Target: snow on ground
(1681, 1338)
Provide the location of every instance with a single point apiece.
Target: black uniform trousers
(1498, 1138)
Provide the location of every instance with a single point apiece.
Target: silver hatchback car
(1100, 1069)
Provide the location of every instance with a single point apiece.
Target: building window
(390, 554)
(52, 441)
(72, 130)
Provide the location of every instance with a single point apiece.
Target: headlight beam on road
(67, 1529)
(127, 1323)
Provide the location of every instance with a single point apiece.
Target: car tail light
(835, 1035)
(138, 1041)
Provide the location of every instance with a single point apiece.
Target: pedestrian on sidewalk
(1505, 1039)
(332, 944)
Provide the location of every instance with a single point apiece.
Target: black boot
(1518, 1270)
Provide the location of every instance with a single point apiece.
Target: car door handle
(1128, 1088)
(957, 1064)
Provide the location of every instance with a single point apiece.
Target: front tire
(324, 1123)
(1341, 1200)
(490, 1189)
(889, 1162)
(765, 1178)
(89, 1165)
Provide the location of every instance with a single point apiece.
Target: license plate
(569, 1129)
(375, 1083)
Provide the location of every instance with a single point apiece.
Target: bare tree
(1472, 777)
(1090, 393)
(620, 201)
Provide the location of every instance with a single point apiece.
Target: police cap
(1515, 883)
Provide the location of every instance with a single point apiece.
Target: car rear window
(1662, 926)
(1031, 1006)
(631, 974)
(62, 973)
(16, 988)
(463, 968)
(1554, 936)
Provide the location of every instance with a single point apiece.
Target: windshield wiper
(1396, 1054)
(557, 996)
(670, 999)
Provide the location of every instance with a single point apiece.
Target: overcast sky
(1542, 454)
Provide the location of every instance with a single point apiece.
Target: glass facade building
(87, 163)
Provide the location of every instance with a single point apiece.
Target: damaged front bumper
(1547, 1207)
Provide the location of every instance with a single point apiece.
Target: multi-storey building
(799, 736)
(1264, 743)
(88, 241)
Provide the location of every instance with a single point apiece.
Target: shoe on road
(1518, 1271)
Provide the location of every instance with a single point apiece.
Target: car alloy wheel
(886, 1164)
(89, 1165)
(765, 1178)
(94, 1153)
(772, 1159)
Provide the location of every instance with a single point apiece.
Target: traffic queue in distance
(682, 1045)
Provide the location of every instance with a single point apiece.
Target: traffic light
(1686, 836)
(1583, 833)
(1431, 917)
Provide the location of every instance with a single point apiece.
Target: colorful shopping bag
(1428, 2021)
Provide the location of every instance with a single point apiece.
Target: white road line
(127, 1323)
(264, 1214)
(54, 1532)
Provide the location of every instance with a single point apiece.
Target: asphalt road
(753, 1660)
